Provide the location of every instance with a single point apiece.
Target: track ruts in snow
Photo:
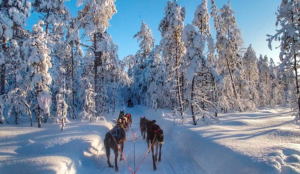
(175, 160)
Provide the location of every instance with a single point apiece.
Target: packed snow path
(263, 142)
(175, 159)
(79, 149)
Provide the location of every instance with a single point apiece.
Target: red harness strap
(145, 155)
(121, 153)
(155, 131)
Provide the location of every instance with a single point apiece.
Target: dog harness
(117, 133)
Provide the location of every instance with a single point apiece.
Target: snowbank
(266, 141)
(48, 150)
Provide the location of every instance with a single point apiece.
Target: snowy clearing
(261, 142)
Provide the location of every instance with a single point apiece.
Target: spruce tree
(228, 44)
(173, 50)
(94, 19)
(39, 62)
(249, 89)
(288, 35)
(140, 87)
(13, 17)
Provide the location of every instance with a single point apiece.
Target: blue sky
(255, 18)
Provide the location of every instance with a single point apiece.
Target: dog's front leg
(116, 160)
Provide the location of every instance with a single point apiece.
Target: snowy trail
(175, 160)
(265, 142)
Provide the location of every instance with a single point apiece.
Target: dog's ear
(154, 121)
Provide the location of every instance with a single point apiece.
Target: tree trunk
(72, 83)
(297, 83)
(177, 76)
(114, 97)
(29, 111)
(240, 88)
(230, 73)
(192, 102)
(15, 79)
(182, 91)
(39, 122)
(39, 109)
(97, 62)
(3, 77)
(47, 24)
(30, 118)
(16, 118)
(3, 69)
(215, 96)
(179, 92)
(232, 82)
(95, 72)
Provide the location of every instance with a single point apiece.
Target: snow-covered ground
(266, 141)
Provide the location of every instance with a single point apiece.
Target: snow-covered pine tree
(109, 74)
(86, 76)
(249, 90)
(140, 87)
(201, 19)
(278, 93)
(62, 52)
(55, 14)
(152, 78)
(94, 19)
(123, 82)
(61, 105)
(13, 16)
(173, 50)
(199, 71)
(201, 77)
(73, 64)
(228, 45)
(2, 119)
(129, 63)
(62, 108)
(17, 101)
(15, 66)
(145, 37)
(39, 62)
(264, 85)
(289, 33)
(288, 89)
(89, 109)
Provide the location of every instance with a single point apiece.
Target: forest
(51, 74)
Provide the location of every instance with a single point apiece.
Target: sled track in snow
(166, 158)
(175, 159)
